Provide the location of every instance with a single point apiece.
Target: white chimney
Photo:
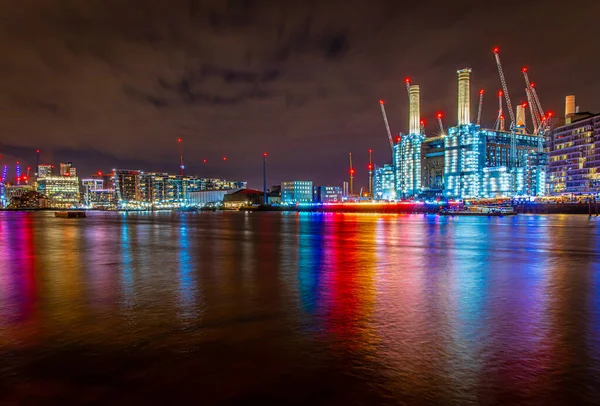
(520, 115)
(414, 110)
(464, 96)
(570, 105)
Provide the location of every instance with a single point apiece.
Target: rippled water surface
(271, 308)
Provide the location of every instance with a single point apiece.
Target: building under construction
(470, 161)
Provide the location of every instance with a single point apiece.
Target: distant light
(204, 160)
(381, 102)
(496, 50)
(370, 151)
(224, 158)
(178, 139)
(524, 70)
(500, 93)
(264, 154)
(439, 115)
(37, 150)
(481, 91)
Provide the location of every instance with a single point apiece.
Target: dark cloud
(105, 83)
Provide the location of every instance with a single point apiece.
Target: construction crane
(532, 109)
(480, 107)
(28, 171)
(541, 116)
(499, 120)
(371, 172)
(407, 82)
(387, 125)
(18, 170)
(351, 176)
(440, 124)
(181, 165)
(4, 174)
(505, 88)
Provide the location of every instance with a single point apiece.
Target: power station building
(468, 161)
(407, 152)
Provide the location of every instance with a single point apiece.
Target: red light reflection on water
(17, 272)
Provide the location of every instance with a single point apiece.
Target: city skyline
(305, 90)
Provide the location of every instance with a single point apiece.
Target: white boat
(481, 211)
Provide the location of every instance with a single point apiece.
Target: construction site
(468, 160)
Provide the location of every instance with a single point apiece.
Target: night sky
(114, 83)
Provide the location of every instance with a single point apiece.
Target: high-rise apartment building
(574, 155)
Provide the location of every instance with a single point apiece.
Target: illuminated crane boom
(387, 125)
(499, 125)
(351, 176)
(505, 88)
(441, 124)
(4, 174)
(480, 107)
(530, 86)
(534, 114)
(181, 165)
(407, 81)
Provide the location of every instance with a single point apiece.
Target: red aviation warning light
(496, 50)
(265, 154)
(439, 115)
(381, 102)
(524, 69)
(204, 160)
(224, 158)
(500, 93)
(481, 91)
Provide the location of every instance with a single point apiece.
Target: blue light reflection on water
(472, 310)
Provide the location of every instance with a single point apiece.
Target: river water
(275, 308)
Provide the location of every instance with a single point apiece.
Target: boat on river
(497, 211)
(71, 214)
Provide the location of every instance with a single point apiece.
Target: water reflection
(425, 309)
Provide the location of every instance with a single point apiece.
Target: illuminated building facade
(432, 166)
(464, 160)
(384, 183)
(45, 170)
(536, 168)
(297, 191)
(574, 155)
(62, 191)
(127, 186)
(407, 159)
(328, 194)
